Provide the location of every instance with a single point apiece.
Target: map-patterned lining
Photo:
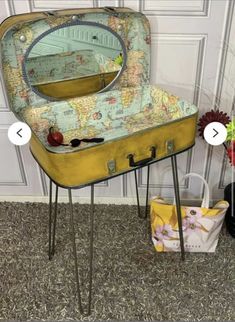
(111, 115)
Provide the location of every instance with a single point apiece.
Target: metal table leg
(137, 193)
(50, 220)
(73, 240)
(91, 249)
(178, 206)
(54, 222)
(147, 194)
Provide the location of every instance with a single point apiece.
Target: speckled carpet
(131, 281)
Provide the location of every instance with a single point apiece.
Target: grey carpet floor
(131, 281)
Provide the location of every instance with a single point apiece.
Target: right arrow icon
(216, 133)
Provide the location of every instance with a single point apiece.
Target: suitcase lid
(18, 32)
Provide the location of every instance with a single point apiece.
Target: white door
(190, 57)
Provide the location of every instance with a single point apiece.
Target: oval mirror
(74, 60)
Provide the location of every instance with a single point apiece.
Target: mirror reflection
(74, 60)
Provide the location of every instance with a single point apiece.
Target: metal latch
(111, 166)
(170, 146)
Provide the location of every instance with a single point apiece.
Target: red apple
(55, 138)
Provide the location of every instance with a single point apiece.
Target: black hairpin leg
(73, 240)
(137, 193)
(50, 220)
(178, 206)
(91, 249)
(147, 194)
(54, 222)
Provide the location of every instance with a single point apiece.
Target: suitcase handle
(143, 162)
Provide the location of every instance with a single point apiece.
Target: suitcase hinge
(111, 10)
(51, 13)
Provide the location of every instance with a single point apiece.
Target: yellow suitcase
(139, 122)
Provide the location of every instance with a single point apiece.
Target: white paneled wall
(192, 56)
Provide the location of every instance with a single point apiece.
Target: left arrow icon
(18, 132)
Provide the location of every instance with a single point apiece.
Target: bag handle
(206, 198)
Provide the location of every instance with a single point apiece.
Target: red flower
(212, 116)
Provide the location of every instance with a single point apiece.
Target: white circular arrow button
(215, 133)
(19, 133)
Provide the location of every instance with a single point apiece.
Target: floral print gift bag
(201, 225)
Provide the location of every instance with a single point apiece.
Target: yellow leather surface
(77, 87)
(85, 166)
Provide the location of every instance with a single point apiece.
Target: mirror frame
(76, 23)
